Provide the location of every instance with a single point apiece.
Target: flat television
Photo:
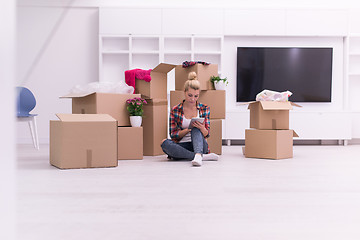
(306, 72)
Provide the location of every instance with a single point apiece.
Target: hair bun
(192, 76)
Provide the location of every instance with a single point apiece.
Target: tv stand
(321, 126)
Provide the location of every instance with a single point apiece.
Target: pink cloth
(131, 75)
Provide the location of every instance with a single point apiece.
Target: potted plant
(135, 109)
(219, 83)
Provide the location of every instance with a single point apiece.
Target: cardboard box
(130, 143)
(157, 87)
(155, 126)
(204, 73)
(215, 99)
(270, 114)
(102, 103)
(271, 144)
(215, 139)
(83, 141)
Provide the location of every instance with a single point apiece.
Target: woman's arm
(205, 113)
(174, 125)
(183, 132)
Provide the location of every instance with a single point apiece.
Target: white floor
(315, 195)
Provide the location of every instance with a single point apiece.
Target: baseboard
(355, 141)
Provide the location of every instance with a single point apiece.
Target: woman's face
(192, 95)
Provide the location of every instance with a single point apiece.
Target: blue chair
(25, 103)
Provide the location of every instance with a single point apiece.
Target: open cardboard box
(270, 114)
(215, 99)
(157, 87)
(204, 73)
(271, 144)
(113, 104)
(83, 141)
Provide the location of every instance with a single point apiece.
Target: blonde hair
(192, 82)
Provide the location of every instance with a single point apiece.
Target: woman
(189, 143)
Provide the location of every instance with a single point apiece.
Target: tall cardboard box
(157, 87)
(215, 139)
(204, 73)
(271, 144)
(113, 104)
(270, 114)
(83, 141)
(130, 143)
(215, 99)
(155, 126)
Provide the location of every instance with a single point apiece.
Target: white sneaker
(210, 157)
(197, 161)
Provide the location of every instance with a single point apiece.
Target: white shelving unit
(118, 53)
(160, 35)
(353, 76)
(177, 49)
(353, 62)
(195, 48)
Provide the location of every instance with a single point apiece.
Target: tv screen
(306, 72)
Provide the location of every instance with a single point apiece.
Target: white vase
(220, 85)
(135, 121)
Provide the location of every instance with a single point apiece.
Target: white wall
(71, 57)
(68, 41)
(7, 146)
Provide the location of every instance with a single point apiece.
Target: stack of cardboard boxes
(270, 136)
(97, 134)
(215, 99)
(155, 112)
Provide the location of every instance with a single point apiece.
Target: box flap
(164, 67)
(67, 117)
(157, 101)
(247, 103)
(272, 105)
(296, 105)
(295, 134)
(75, 95)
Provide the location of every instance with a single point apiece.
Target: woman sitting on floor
(189, 143)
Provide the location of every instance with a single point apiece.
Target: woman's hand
(201, 127)
(183, 132)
